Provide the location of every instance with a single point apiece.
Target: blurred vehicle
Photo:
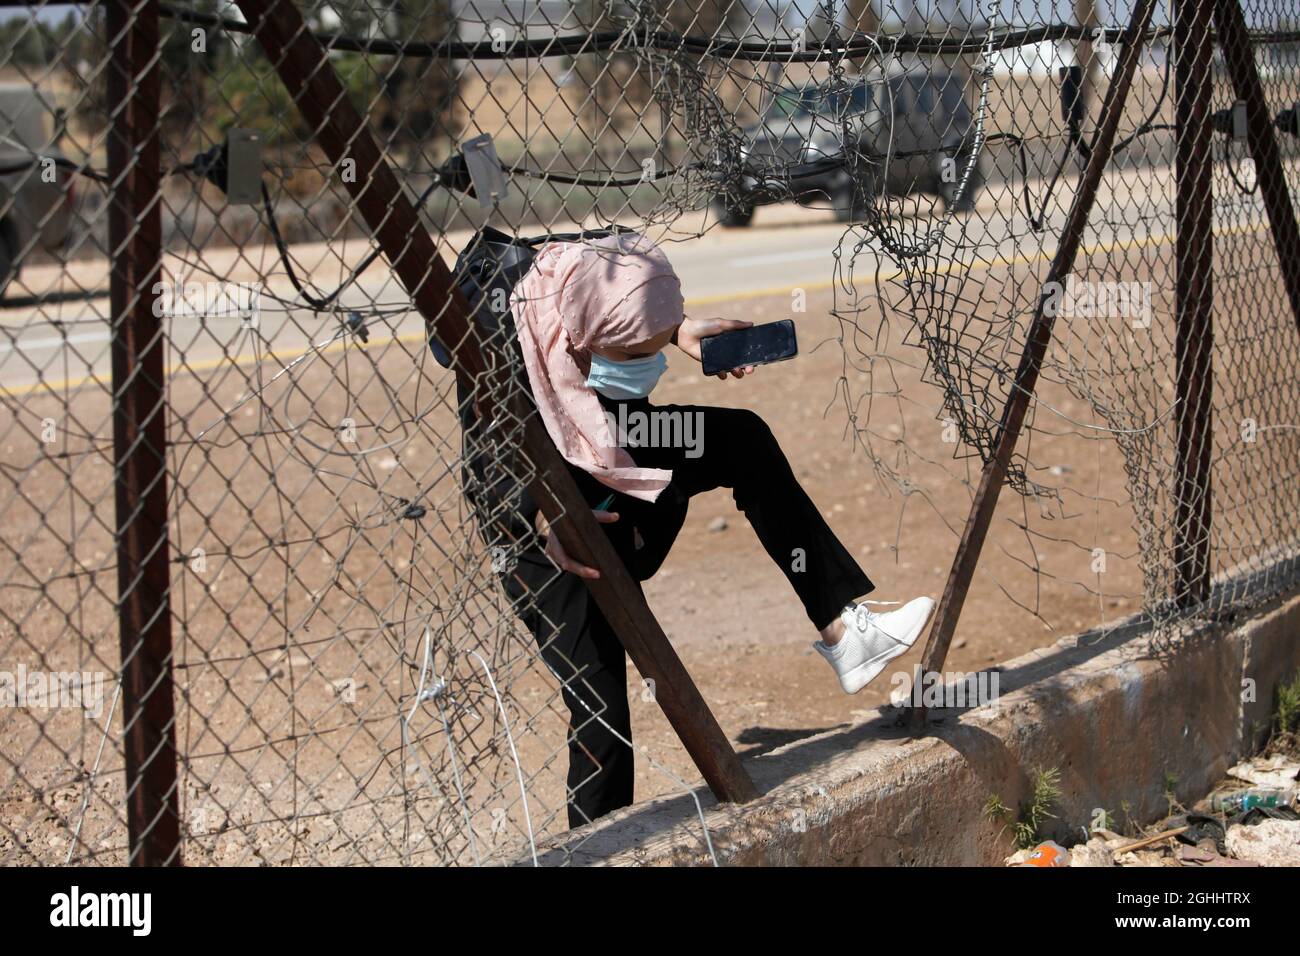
(905, 125)
(36, 200)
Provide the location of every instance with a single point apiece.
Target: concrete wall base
(1124, 718)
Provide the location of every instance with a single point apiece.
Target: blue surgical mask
(624, 380)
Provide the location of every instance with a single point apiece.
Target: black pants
(727, 448)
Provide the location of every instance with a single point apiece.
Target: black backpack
(487, 270)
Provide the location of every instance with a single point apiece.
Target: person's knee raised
(755, 432)
(748, 444)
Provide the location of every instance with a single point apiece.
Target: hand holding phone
(741, 348)
(692, 332)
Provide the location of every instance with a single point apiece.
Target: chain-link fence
(273, 585)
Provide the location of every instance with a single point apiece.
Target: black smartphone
(756, 345)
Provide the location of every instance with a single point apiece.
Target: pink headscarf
(611, 292)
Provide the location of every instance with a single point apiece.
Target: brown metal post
(1194, 300)
(307, 73)
(1026, 378)
(140, 436)
(1239, 57)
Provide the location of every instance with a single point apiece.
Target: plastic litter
(1047, 854)
(1242, 800)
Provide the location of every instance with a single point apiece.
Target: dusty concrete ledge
(1120, 714)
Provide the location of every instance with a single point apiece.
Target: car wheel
(733, 216)
(8, 260)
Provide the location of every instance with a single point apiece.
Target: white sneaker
(872, 640)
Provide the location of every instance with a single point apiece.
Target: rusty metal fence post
(1193, 300)
(140, 436)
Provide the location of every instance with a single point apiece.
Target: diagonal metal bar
(994, 473)
(305, 69)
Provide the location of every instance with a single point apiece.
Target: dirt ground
(244, 682)
(301, 637)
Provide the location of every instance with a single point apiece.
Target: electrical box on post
(1239, 121)
(244, 167)
(484, 170)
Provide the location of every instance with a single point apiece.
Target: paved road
(63, 344)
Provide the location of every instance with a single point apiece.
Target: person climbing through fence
(592, 320)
